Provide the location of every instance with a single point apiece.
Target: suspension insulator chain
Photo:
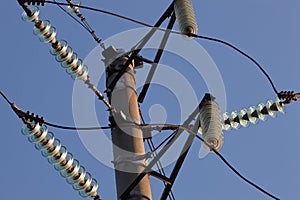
(61, 159)
(62, 52)
(252, 115)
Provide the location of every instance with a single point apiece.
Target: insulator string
(174, 32)
(62, 52)
(60, 49)
(39, 135)
(251, 115)
(62, 160)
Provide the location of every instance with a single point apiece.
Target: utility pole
(127, 137)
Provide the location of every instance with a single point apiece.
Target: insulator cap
(35, 10)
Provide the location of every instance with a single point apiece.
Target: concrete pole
(127, 138)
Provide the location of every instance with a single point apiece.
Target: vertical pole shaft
(127, 138)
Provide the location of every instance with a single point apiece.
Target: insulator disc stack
(210, 121)
(185, 17)
(251, 115)
(62, 160)
(60, 49)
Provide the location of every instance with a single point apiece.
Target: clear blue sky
(266, 153)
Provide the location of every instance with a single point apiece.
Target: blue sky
(266, 153)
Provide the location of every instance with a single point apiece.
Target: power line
(38, 119)
(169, 138)
(221, 157)
(5, 97)
(173, 135)
(206, 38)
(230, 120)
(102, 11)
(75, 9)
(243, 53)
(74, 18)
(78, 128)
(176, 32)
(234, 170)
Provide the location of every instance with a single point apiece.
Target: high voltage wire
(281, 94)
(75, 9)
(179, 33)
(230, 120)
(238, 173)
(5, 97)
(242, 53)
(78, 128)
(38, 119)
(229, 165)
(169, 138)
(74, 18)
(102, 11)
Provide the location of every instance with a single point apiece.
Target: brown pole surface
(127, 142)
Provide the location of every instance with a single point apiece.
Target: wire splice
(61, 159)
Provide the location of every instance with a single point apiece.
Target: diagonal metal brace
(137, 49)
(192, 116)
(157, 59)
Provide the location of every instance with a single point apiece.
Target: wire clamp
(33, 2)
(288, 96)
